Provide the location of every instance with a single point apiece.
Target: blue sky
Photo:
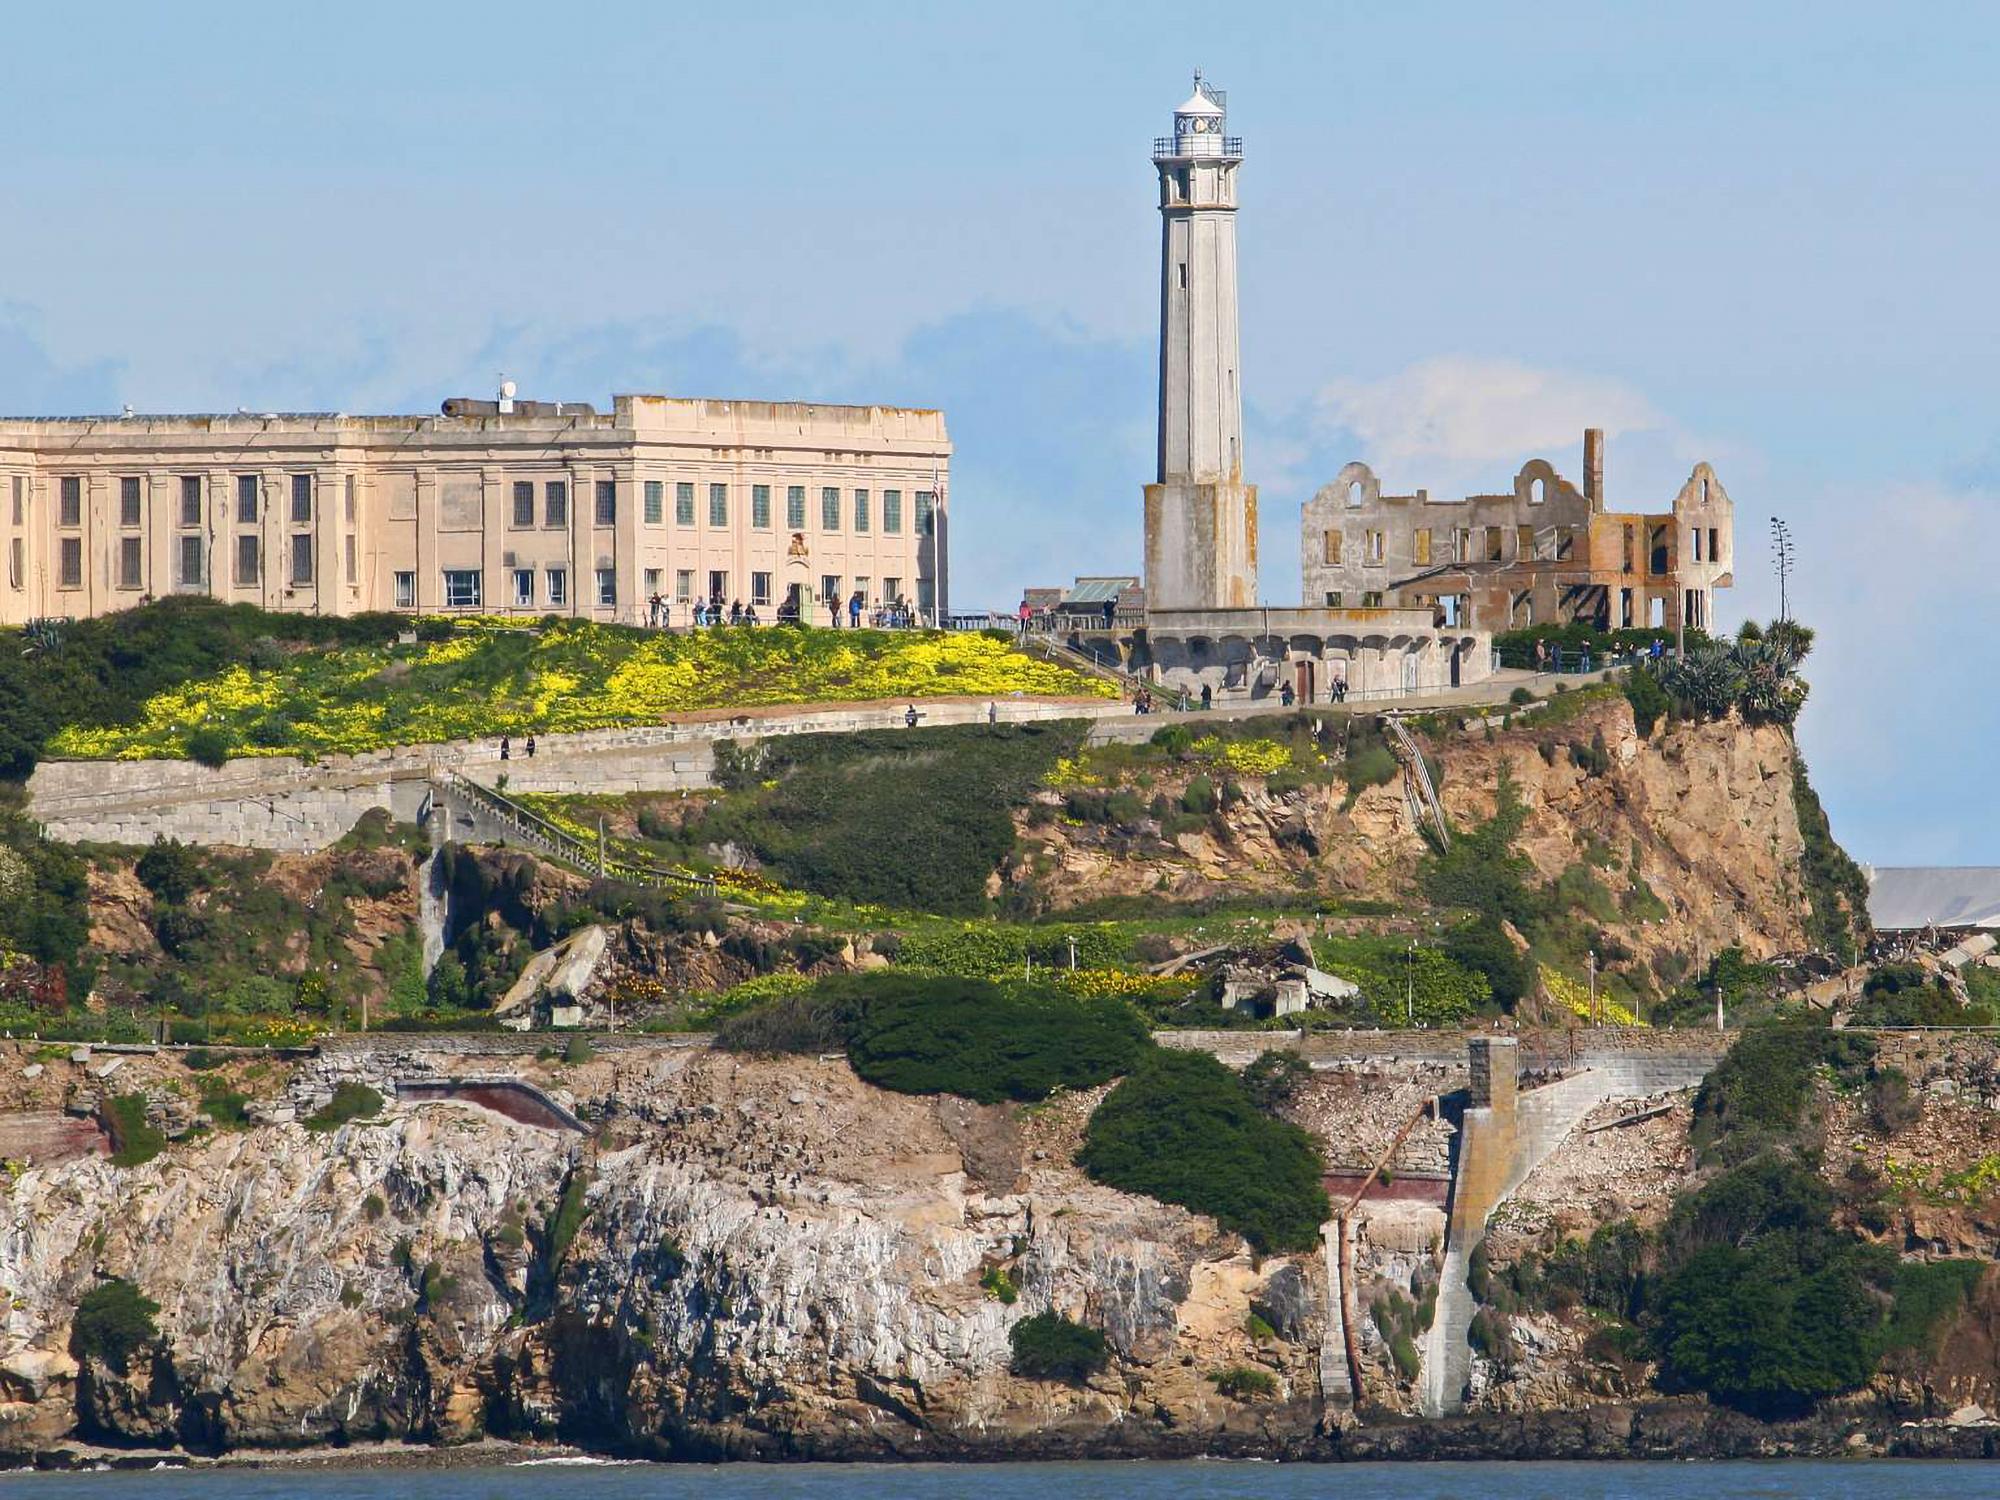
(1759, 235)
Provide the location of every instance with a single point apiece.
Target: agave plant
(1772, 692)
(42, 638)
(1706, 681)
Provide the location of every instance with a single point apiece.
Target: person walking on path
(992, 713)
(1207, 698)
(854, 607)
(530, 747)
(910, 717)
(833, 613)
(1285, 694)
(506, 749)
(1110, 613)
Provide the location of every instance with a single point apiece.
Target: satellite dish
(506, 390)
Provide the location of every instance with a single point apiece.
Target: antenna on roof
(506, 401)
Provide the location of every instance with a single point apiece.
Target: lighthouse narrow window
(1181, 269)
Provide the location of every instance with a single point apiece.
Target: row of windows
(464, 588)
(191, 490)
(190, 558)
(554, 504)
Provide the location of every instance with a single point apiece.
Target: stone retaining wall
(281, 803)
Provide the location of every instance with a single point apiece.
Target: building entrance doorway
(1305, 683)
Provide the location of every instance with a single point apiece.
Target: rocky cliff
(747, 1259)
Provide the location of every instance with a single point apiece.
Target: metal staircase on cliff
(527, 827)
(1418, 788)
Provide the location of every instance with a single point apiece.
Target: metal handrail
(1168, 147)
(560, 842)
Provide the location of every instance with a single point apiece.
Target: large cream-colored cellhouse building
(496, 507)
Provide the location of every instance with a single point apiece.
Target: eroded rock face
(773, 1259)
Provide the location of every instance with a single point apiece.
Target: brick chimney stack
(1593, 466)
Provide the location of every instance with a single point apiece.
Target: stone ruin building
(1544, 551)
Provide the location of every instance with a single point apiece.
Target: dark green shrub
(1199, 798)
(1892, 1104)
(919, 1034)
(1245, 1383)
(577, 1049)
(1485, 948)
(210, 747)
(350, 1101)
(1123, 808)
(1928, 1295)
(1403, 1351)
(571, 1210)
(1650, 702)
(226, 1107)
(170, 870)
(113, 1322)
(1275, 1077)
(997, 1284)
(1593, 759)
(1184, 1129)
(133, 1140)
(1760, 1091)
(1049, 1346)
(1176, 739)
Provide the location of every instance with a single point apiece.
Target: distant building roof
(1909, 899)
(1097, 590)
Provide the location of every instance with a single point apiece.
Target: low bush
(350, 1101)
(133, 1140)
(1245, 1383)
(1049, 1346)
(1183, 1128)
(113, 1322)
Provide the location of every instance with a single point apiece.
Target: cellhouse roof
(1908, 899)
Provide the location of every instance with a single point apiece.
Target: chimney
(1593, 466)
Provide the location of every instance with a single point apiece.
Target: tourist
(506, 750)
(1285, 694)
(833, 613)
(1110, 613)
(1207, 698)
(910, 717)
(736, 611)
(530, 747)
(992, 713)
(750, 614)
(854, 607)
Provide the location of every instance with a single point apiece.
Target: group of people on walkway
(507, 747)
(703, 614)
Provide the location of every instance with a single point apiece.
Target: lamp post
(1410, 985)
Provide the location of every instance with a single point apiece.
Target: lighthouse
(1201, 518)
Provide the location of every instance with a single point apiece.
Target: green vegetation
(1183, 1128)
(999, 1285)
(937, 1034)
(113, 1322)
(571, 1210)
(1049, 1346)
(350, 1101)
(208, 681)
(1245, 1383)
(917, 820)
(134, 1141)
(1757, 1096)
(1836, 889)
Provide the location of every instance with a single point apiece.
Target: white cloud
(1459, 424)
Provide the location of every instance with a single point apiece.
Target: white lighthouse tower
(1201, 518)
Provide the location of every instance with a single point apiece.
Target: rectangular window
(718, 505)
(1420, 545)
(607, 587)
(1371, 546)
(130, 562)
(683, 585)
(302, 560)
(190, 499)
(607, 502)
(1464, 552)
(892, 590)
(70, 575)
(302, 499)
(1628, 547)
(555, 503)
(861, 510)
(1524, 543)
(70, 512)
(1493, 544)
(1330, 549)
(20, 501)
(17, 562)
(892, 512)
(246, 499)
(718, 587)
(524, 587)
(1714, 537)
(926, 595)
(524, 502)
(406, 591)
(192, 557)
(461, 588)
(558, 580)
(652, 583)
(347, 509)
(684, 505)
(760, 507)
(829, 588)
(861, 588)
(1333, 599)
(760, 588)
(656, 502)
(348, 556)
(926, 512)
(1371, 601)
(250, 559)
(1565, 543)
(795, 508)
(128, 502)
(829, 509)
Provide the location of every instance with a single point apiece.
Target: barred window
(760, 508)
(70, 563)
(302, 499)
(926, 512)
(128, 502)
(70, 505)
(302, 560)
(892, 512)
(607, 502)
(656, 502)
(130, 562)
(193, 574)
(718, 505)
(247, 505)
(524, 502)
(190, 499)
(684, 505)
(795, 508)
(829, 509)
(249, 559)
(861, 510)
(555, 503)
